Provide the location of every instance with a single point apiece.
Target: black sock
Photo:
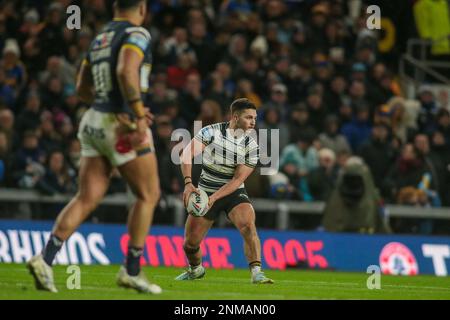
(254, 264)
(133, 260)
(51, 249)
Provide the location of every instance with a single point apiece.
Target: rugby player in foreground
(114, 132)
(222, 178)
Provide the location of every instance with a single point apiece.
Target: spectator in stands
(28, 162)
(250, 69)
(299, 122)
(223, 69)
(15, 73)
(72, 103)
(411, 196)
(237, 50)
(58, 67)
(319, 17)
(272, 121)
(378, 154)
(216, 91)
(317, 109)
(190, 98)
(441, 150)
(161, 96)
(29, 118)
(177, 46)
(321, 180)
(428, 110)
(7, 93)
(52, 95)
(52, 31)
(49, 138)
(5, 160)
(210, 113)
(177, 75)
(382, 89)
(58, 178)
(331, 138)
(7, 123)
(335, 95)
(345, 112)
(172, 110)
(443, 124)
(202, 47)
(357, 93)
(409, 171)
(432, 162)
(73, 154)
(245, 90)
(33, 57)
(278, 100)
(171, 178)
(358, 130)
(297, 159)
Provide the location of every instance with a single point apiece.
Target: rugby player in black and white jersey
(229, 156)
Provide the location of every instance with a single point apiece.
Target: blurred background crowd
(312, 68)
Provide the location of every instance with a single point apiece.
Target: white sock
(255, 270)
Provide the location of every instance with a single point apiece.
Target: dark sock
(133, 261)
(254, 264)
(51, 249)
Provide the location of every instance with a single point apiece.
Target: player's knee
(149, 195)
(88, 202)
(247, 229)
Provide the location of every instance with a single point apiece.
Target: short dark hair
(127, 4)
(242, 104)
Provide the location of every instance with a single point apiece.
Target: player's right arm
(127, 72)
(193, 149)
(85, 85)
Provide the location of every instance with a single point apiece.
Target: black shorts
(227, 203)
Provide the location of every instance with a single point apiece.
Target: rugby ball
(198, 203)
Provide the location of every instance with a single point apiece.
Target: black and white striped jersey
(223, 153)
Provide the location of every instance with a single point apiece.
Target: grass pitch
(98, 282)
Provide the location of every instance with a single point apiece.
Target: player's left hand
(211, 201)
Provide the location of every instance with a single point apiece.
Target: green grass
(98, 282)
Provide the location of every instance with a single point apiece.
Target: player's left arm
(85, 84)
(240, 175)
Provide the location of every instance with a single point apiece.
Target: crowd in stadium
(315, 74)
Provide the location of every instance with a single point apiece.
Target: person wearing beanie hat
(15, 72)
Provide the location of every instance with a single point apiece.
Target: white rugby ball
(198, 203)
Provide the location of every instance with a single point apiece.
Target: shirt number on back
(102, 79)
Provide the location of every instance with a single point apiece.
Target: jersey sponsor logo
(139, 40)
(103, 40)
(97, 133)
(397, 259)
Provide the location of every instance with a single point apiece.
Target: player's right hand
(188, 189)
(142, 129)
(139, 137)
(149, 116)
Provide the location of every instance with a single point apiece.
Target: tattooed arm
(85, 87)
(128, 77)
